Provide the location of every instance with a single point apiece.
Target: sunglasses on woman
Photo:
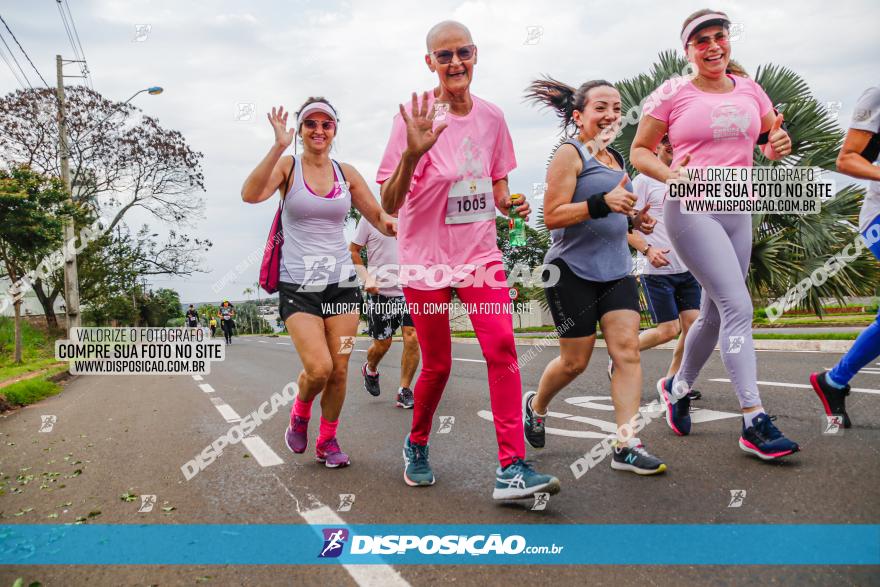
(703, 43)
(313, 124)
(444, 56)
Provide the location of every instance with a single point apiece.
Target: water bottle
(515, 222)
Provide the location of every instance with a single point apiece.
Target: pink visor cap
(315, 107)
(703, 22)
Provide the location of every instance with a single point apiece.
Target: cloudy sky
(367, 56)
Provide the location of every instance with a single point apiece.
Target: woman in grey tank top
(319, 298)
(588, 207)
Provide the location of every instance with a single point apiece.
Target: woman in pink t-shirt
(446, 182)
(716, 119)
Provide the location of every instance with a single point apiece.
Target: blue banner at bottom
(264, 544)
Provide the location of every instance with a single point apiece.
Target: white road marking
(703, 415)
(263, 341)
(470, 360)
(802, 386)
(284, 343)
(206, 387)
(261, 451)
(197, 377)
(362, 574)
(227, 412)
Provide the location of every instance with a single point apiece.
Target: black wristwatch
(645, 251)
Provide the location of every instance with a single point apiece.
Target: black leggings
(228, 326)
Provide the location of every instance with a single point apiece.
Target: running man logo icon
(541, 501)
(334, 539)
(346, 345)
(346, 500)
(446, 423)
(441, 109)
(833, 425)
(737, 496)
(735, 344)
(538, 190)
(47, 423)
(534, 34)
(244, 111)
(147, 503)
(833, 108)
(141, 32)
(736, 31)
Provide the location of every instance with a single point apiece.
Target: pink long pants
(494, 332)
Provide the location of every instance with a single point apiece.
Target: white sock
(370, 371)
(631, 443)
(680, 391)
(748, 417)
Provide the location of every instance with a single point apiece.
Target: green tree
(32, 207)
(786, 248)
(160, 307)
(125, 162)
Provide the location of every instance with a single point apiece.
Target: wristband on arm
(597, 206)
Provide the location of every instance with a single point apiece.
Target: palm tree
(786, 248)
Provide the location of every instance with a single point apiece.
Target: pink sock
(327, 430)
(301, 409)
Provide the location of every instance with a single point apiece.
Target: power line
(73, 39)
(17, 64)
(12, 69)
(14, 38)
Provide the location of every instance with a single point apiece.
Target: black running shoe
(694, 394)
(763, 439)
(533, 424)
(678, 413)
(371, 382)
(833, 399)
(636, 459)
(405, 399)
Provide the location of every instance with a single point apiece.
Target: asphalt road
(133, 433)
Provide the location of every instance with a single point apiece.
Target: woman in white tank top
(319, 298)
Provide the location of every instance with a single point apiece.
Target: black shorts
(578, 304)
(334, 299)
(670, 294)
(385, 315)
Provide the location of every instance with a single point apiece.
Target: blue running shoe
(518, 480)
(678, 413)
(417, 471)
(765, 440)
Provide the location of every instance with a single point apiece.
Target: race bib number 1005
(470, 200)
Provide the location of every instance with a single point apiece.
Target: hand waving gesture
(278, 120)
(420, 132)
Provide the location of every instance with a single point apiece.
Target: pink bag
(270, 269)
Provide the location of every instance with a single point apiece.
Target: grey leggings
(717, 249)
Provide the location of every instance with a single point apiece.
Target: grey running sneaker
(405, 399)
(371, 382)
(533, 424)
(636, 459)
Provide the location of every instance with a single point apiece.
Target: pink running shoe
(329, 453)
(296, 436)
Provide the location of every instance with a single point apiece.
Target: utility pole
(71, 279)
